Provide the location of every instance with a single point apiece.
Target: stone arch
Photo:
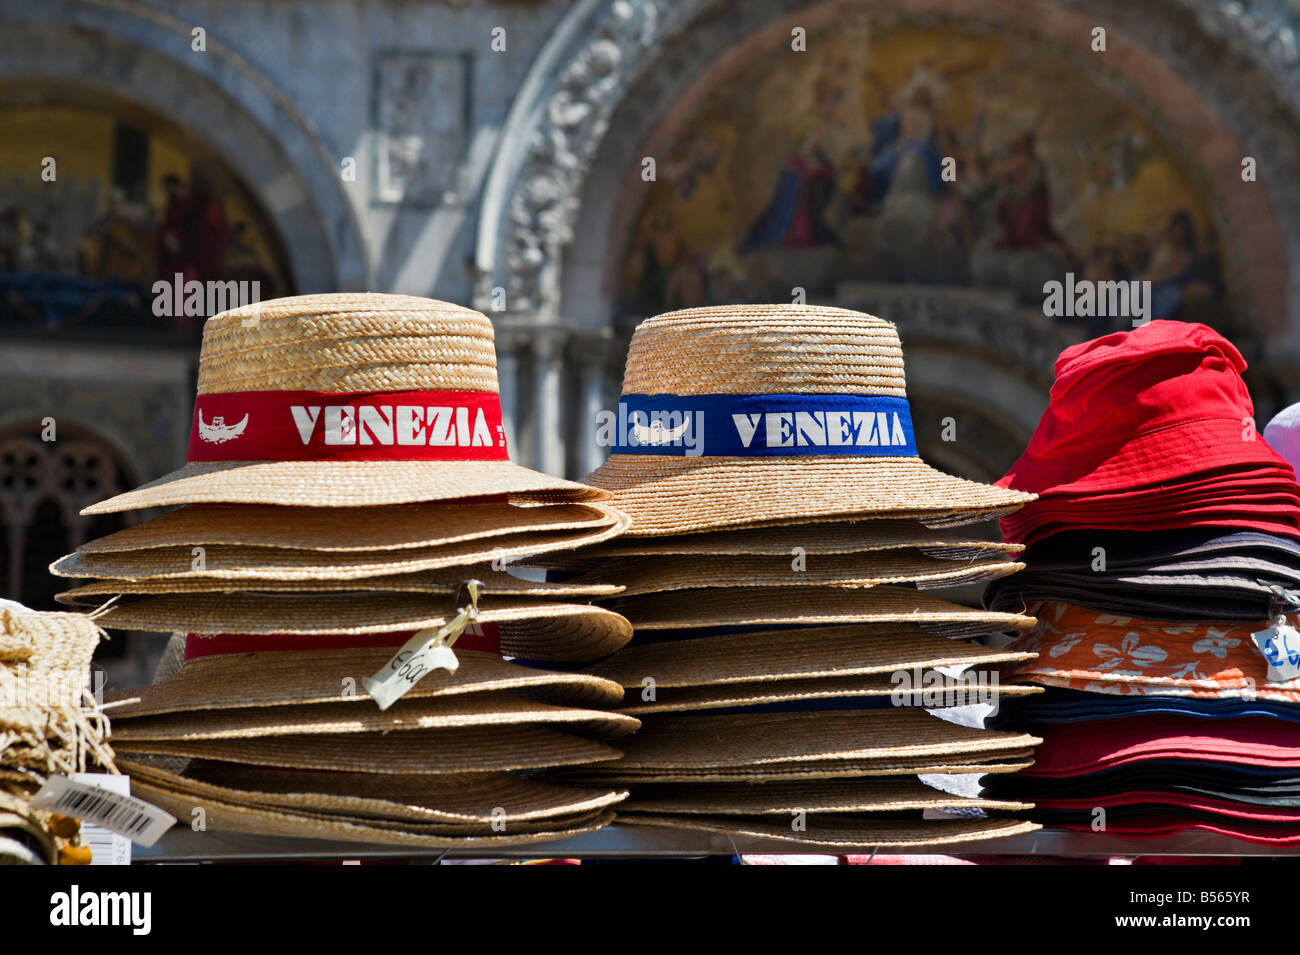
(143, 55)
(615, 80)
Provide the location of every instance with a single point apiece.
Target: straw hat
(767, 692)
(658, 574)
(462, 712)
(830, 537)
(225, 816)
(776, 655)
(346, 529)
(446, 582)
(757, 606)
(466, 799)
(419, 752)
(395, 397)
(779, 417)
(533, 629)
(881, 794)
(237, 562)
(832, 831)
(1003, 763)
(276, 678)
(703, 741)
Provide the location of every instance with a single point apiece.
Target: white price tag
(95, 805)
(106, 847)
(1280, 645)
(419, 656)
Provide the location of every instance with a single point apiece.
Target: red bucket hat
(1140, 408)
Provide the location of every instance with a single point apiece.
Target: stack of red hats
(1158, 715)
(1151, 430)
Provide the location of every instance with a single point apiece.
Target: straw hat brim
(465, 712)
(852, 650)
(446, 581)
(340, 484)
(469, 799)
(754, 739)
(648, 575)
(829, 537)
(237, 562)
(273, 678)
(671, 495)
(1014, 761)
(879, 794)
(421, 752)
(532, 629)
(760, 606)
(734, 695)
(843, 834)
(346, 529)
(222, 816)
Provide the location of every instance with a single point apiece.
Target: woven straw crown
(772, 349)
(356, 342)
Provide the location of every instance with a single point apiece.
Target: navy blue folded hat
(1192, 574)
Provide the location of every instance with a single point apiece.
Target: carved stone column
(510, 344)
(549, 434)
(590, 354)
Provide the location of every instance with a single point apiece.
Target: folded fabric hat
(1082, 649)
(1076, 749)
(1056, 705)
(769, 414)
(1138, 408)
(1283, 434)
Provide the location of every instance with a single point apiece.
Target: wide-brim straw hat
(830, 537)
(702, 741)
(447, 581)
(879, 794)
(837, 832)
(778, 655)
(750, 371)
(810, 606)
(465, 712)
(277, 678)
(419, 752)
(226, 816)
(346, 529)
(1003, 763)
(239, 562)
(768, 692)
(466, 799)
(533, 629)
(658, 574)
(383, 353)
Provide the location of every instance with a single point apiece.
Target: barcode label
(131, 817)
(106, 848)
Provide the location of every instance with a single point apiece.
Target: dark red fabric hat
(1137, 408)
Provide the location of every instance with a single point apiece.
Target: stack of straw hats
(783, 527)
(1165, 536)
(345, 518)
(49, 724)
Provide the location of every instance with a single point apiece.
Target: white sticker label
(106, 847)
(419, 656)
(131, 817)
(1280, 646)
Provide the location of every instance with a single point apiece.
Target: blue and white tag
(762, 425)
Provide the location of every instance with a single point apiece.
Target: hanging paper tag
(134, 818)
(425, 652)
(1280, 645)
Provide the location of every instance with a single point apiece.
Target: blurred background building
(570, 168)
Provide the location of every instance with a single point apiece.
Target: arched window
(43, 487)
